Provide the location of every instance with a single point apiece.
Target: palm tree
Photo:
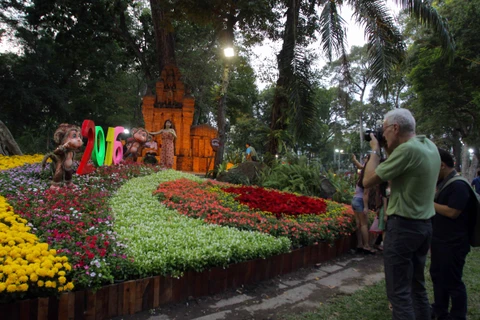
(385, 44)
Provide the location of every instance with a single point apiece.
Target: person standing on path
(361, 210)
(412, 167)
(251, 153)
(167, 152)
(476, 182)
(450, 244)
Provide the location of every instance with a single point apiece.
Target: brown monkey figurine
(135, 144)
(68, 137)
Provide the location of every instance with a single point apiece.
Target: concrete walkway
(300, 291)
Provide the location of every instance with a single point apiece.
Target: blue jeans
(405, 253)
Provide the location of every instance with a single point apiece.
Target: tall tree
(446, 97)
(72, 66)
(385, 45)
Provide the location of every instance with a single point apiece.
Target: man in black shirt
(450, 243)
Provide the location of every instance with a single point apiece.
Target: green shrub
(293, 174)
(345, 186)
(296, 174)
(234, 156)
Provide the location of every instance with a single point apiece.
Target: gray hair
(402, 117)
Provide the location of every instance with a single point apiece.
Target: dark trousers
(405, 253)
(446, 271)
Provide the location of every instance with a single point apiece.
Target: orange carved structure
(171, 102)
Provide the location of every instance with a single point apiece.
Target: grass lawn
(371, 302)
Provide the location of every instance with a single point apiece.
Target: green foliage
(247, 129)
(296, 176)
(234, 156)
(299, 175)
(236, 177)
(345, 186)
(444, 95)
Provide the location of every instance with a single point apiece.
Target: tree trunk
(457, 151)
(285, 72)
(361, 133)
(164, 37)
(8, 145)
(221, 116)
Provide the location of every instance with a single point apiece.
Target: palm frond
(385, 42)
(427, 15)
(303, 111)
(332, 30)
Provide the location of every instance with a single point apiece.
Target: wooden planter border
(133, 296)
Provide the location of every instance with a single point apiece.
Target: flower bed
(113, 228)
(209, 202)
(28, 267)
(162, 241)
(279, 203)
(77, 223)
(17, 161)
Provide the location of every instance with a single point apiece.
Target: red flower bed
(278, 203)
(207, 201)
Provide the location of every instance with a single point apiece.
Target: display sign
(96, 149)
(215, 143)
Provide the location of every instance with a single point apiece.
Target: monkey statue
(68, 138)
(134, 145)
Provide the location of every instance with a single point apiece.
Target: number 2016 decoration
(96, 149)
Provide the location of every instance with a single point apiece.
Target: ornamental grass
(27, 266)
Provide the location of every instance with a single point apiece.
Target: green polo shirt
(413, 169)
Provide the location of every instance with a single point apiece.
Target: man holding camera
(412, 168)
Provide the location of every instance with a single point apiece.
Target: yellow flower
(70, 286)
(21, 272)
(23, 259)
(9, 162)
(11, 288)
(12, 277)
(7, 269)
(23, 287)
(41, 272)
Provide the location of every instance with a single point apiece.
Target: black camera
(378, 133)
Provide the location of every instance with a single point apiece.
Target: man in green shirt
(412, 168)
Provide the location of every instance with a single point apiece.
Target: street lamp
(340, 152)
(229, 52)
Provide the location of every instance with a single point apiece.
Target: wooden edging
(138, 295)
